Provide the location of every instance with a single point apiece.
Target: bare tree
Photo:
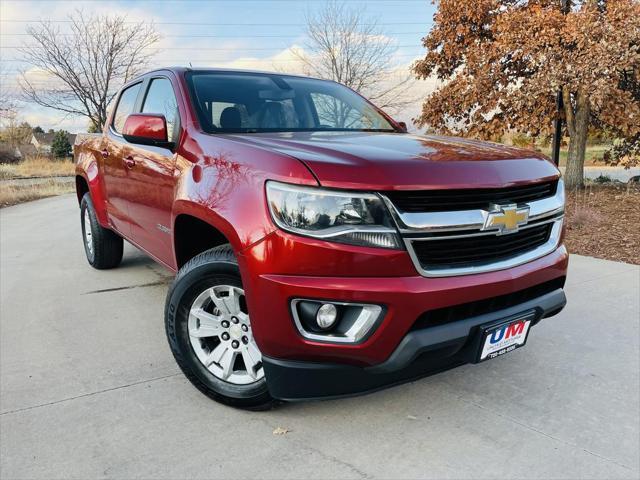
(84, 67)
(14, 131)
(7, 99)
(345, 45)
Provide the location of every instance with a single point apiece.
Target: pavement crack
(129, 287)
(160, 274)
(533, 429)
(310, 449)
(84, 395)
(335, 460)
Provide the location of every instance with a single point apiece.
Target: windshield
(254, 102)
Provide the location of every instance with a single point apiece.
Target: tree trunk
(574, 174)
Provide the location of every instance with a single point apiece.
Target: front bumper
(420, 353)
(283, 267)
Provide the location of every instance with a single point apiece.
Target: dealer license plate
(504, 338)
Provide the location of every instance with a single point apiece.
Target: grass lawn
(592, 157)
(37, 167)
(14, 194)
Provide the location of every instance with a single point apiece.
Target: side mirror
(403, 126)
(147, 129)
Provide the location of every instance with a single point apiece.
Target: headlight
(345, 217)
(561, 190)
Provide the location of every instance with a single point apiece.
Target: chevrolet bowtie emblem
(506, 218)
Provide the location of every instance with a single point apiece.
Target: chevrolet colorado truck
(320, 249)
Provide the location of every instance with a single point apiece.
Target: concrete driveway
(89, 388)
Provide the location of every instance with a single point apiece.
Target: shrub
(8, 154)
(602, 179)
(60, 147)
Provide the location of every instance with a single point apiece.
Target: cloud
(13, 29)
(282, 61)
(47, 119)
(206, 51)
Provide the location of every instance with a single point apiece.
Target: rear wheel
(102, 246)
(209, 331)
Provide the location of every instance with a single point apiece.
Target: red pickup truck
(320, 249)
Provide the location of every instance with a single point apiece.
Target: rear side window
(125, 107)
(161, 99)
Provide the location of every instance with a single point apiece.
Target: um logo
(507, 331)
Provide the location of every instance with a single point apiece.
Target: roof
(47, 138)
(181, 69)
(27, 150)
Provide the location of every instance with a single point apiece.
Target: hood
(394, 161)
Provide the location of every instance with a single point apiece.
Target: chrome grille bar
(421, 222)
(434, 226)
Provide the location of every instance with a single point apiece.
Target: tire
(102, 246)
(212, 345)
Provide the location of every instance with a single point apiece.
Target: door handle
(104, 153)
(129, 162)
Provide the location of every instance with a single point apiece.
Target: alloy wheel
(88, 233)
(221, 336)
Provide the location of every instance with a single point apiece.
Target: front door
(151, 177)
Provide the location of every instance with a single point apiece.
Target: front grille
(448, 251)
(454, 313)
(468, 199)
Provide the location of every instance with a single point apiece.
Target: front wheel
(209, 331)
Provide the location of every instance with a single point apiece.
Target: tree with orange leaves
(503, 61)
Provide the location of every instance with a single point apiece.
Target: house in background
(17, 153)
(43, 141)
(26, 150)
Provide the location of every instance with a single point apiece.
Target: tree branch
(83, 70)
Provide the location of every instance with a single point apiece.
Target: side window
(125, 107)
(161, 99)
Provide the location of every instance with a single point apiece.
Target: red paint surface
(144, 125)
(220, 179)
(386, 281)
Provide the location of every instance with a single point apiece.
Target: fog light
(335, 322)
(326, 316)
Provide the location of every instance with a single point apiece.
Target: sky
(249, 34)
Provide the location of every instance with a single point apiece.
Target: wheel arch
(88, 176)
(82, 187)
(195, 231)
(86, 182)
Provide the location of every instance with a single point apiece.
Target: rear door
(117, 181)
(152, 175)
